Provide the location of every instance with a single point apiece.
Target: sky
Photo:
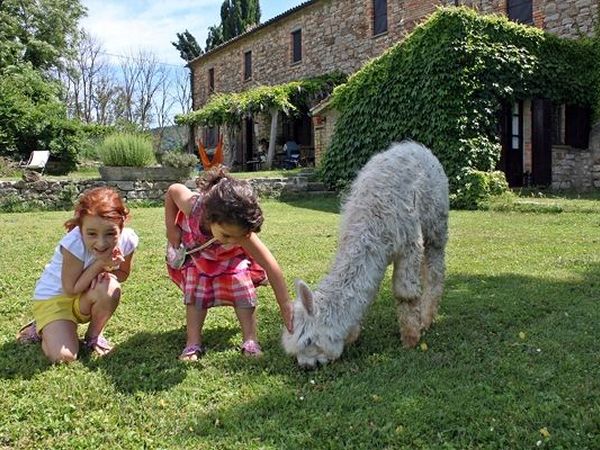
(124, 27)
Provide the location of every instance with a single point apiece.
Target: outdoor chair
(37, 161)
(292, 155)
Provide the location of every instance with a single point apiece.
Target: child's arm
(75, 279)
(178, 198)
(261, 254)
(124, 269)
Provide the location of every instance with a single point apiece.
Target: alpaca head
(312, 342)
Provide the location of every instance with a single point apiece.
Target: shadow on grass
(147, 362)
(507, 356)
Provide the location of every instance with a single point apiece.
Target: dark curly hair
(229, 200)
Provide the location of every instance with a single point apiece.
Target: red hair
(102, 202)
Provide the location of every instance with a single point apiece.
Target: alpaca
(396, 212)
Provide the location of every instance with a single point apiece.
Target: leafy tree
(33, 117)
(237, 17)
(39, 32)
(187, 45)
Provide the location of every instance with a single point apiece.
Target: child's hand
(287, 314)
(174, 236)
(102, 276)
(111, 262)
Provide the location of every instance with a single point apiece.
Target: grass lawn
(512, 361)
(92, 172)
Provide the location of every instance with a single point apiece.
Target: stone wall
(338, 35)
(50, 194)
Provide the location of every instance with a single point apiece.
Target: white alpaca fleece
(396, 213)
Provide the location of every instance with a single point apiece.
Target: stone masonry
(338, 35)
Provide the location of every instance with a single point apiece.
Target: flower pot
(158, 173)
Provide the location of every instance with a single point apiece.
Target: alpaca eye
(308, 342)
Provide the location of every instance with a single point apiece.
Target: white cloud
(124, 27)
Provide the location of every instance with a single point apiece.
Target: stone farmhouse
(542, 143)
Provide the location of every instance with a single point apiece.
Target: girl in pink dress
(228, 269)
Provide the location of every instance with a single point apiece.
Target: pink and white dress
(218, 275)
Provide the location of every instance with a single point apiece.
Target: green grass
(512, 361)
(92, 172)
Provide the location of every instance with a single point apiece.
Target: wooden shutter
(520, 11)
(247, 65)
(379, 16)
(577, 126)
(297, 46)
(211, 80)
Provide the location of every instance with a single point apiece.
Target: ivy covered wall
(444, 85)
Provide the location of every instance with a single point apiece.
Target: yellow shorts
(61, 307)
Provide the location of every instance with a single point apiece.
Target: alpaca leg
(406, 277)
(409, 316)
(433, 269)
(406, 286)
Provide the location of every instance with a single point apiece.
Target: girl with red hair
(82, 282)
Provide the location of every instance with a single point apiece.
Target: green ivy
(231, 108)
(444, 86)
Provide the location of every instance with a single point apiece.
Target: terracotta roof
(256, 28)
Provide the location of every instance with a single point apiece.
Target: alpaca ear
(305, 295)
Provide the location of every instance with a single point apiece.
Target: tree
(39, 32)
(187, 45)
(237, 17)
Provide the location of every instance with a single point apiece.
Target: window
(380, 23)
(247, 65)
(558, 124)
(520, 11)
(211, 80)
(577, 126)
(296, 46)
(515, 141)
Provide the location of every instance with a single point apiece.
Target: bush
(8, 168)
(126, 149)
(443, 86)
(179, 159)
(478, 188)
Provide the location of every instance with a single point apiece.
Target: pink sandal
(192, 352)
(251, 348)
(98, 344)
(28, 334)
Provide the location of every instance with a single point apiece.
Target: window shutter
(297, 46)
(520, 11)
(379, 16)
(247, 65)
(211, 80)
(577, 126)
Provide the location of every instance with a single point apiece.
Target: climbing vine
(444, 86)
(231, 108)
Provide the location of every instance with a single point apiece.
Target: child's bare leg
(100, 303)
(59, 341)
(194, 319)
(247, 318)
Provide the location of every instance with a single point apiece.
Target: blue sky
(124, 27)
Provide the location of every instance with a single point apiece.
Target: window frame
(515, 10)
(211, 80)
(379, 15)
(296, 44)
(247, 63)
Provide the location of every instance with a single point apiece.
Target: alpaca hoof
(410, 339)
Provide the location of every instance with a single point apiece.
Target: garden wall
(61, 194)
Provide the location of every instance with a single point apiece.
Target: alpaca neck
(352, 283)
